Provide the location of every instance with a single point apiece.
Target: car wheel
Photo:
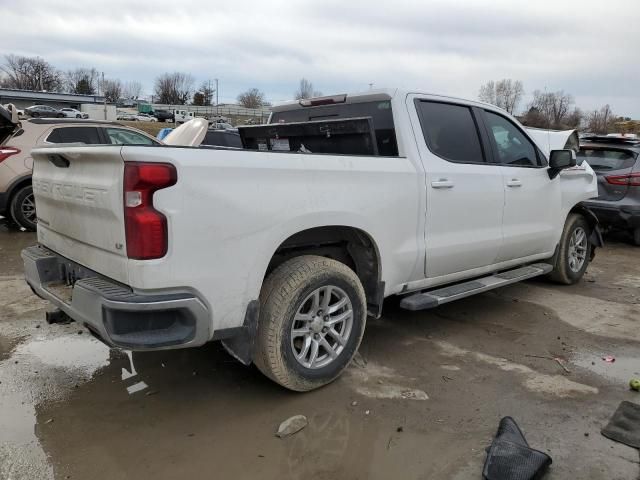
(35, 114)
(312, 319)
(574, 251)
(636, 236)
(60, 115)
(23, 208)
(78, 116)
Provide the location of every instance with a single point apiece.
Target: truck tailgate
(78, 192)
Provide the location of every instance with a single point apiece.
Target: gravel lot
(423, 400)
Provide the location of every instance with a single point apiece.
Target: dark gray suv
(616, 161)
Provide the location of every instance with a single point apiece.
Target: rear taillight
(6, 152)
(629, 180)
(145, 227)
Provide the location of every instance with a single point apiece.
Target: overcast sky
(587, 48)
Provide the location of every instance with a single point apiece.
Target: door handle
(514, 182)
(442, 183)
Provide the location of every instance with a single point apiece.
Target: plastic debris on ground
(291, 425)
(510, 458)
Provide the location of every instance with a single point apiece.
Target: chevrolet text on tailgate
(281, 249)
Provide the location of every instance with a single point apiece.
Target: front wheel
(312, 319)
(574, 251)
(23, 208)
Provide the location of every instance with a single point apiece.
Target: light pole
(104, 97)
(217, 115)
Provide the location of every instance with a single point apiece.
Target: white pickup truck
(281, 253)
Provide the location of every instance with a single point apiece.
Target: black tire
(22, 203)
(286, 291)
(60, 115)
(78, 116)
(563, 270)
(35, 114)
(636, 236)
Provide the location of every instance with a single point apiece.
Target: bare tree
(173, 88)
(83, 81)
(252, 98)
(30, 73)
(601, 121)
(112, 90)
(132, 90)
(553, 106)
(574, 119)
(305, 90)
(208, 93)
(488, 93)
(505, 93)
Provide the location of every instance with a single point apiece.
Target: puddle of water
(81, 352)
(623, 369)
(30, 373)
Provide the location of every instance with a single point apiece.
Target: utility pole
(104, 97)
(217, 114)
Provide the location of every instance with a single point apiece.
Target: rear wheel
(60, 115)
(78, 116)
(35, 114)
(574, 251)
(312, 318)
(636, 236)
(23, 208)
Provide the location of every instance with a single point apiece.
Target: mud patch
(591, 315)
(534, 381)
(376, 381)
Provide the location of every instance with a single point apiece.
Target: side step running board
(433, 298)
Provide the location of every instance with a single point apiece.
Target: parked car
(44, 111)
(616, 161)
(73, 113)
(163, 115)
(16, 192)
(281, 253)
(220, 125)
(145, 117)
(127, 116)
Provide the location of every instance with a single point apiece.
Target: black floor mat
(510, 458)
(624, 426)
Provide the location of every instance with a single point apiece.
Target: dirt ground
(422, 401)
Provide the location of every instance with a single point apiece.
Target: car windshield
(607, 159)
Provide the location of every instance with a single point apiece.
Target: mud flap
(510, 458)
(242, 346)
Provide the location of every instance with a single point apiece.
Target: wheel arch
(347, 244)
(15, 186)
(595, 236)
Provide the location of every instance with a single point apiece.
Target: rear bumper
(615, 215)
(113, 312)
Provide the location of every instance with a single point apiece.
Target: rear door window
(86, 135)
(603, 159)
(450, 131)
